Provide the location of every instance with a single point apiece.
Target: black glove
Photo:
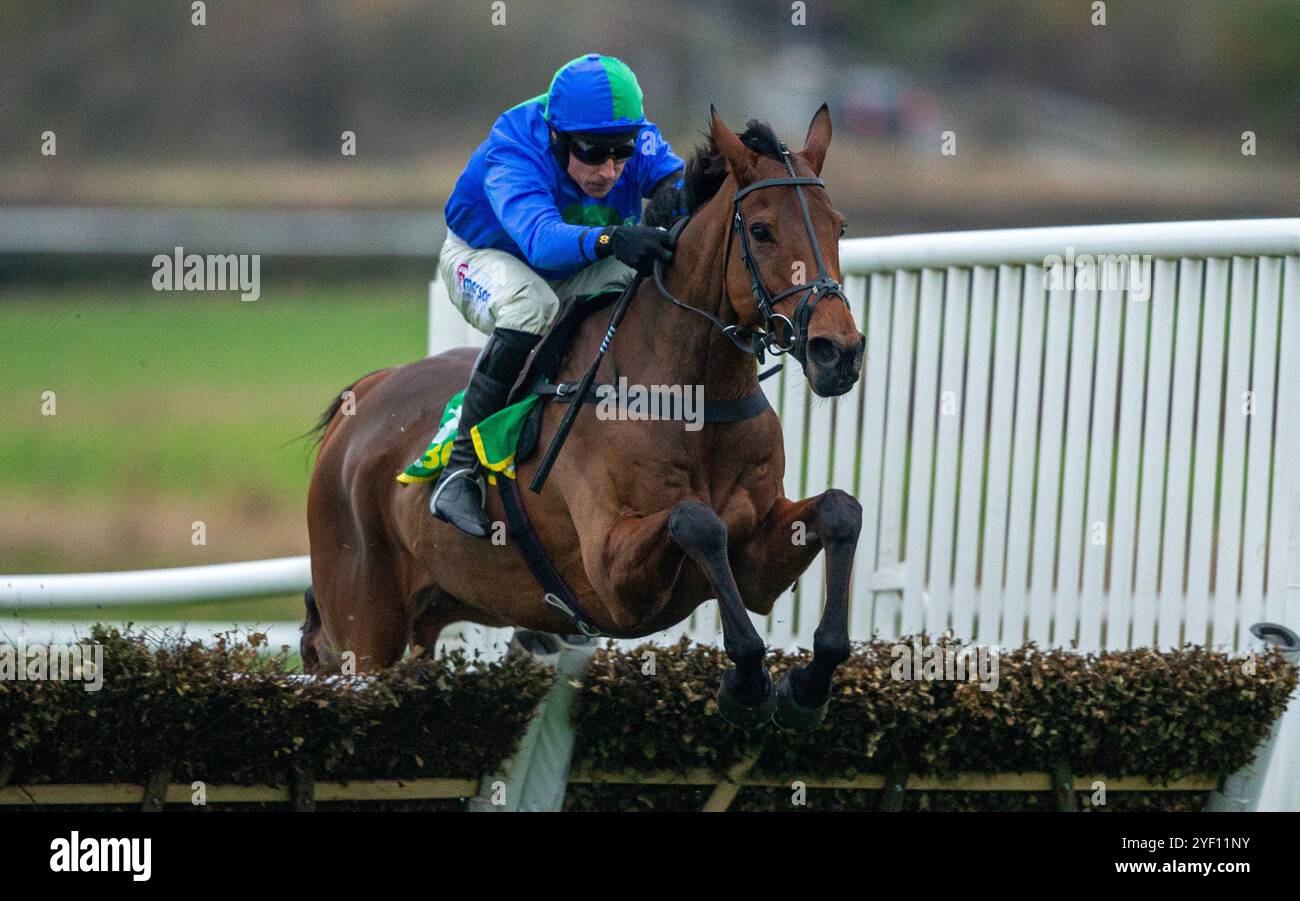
(639, 246)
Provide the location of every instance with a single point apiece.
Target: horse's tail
(325, 418)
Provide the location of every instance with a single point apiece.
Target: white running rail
(181, 585)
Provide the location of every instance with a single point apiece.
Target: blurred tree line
(137, 81)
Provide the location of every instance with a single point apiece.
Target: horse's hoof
(792, 716)
(736, 711)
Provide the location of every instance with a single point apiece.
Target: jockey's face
(595, 181)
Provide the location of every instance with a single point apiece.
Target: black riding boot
(459, 496)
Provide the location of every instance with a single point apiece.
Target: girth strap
(557, 591)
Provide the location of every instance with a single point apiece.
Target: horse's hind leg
(435, 611)
(317, 656)
(745, 697)
(770, 561)
(364, 620)
(310, 628)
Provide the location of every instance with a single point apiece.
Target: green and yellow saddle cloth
(495, 439)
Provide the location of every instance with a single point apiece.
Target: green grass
(280, 608)
(170, 401)
(186, 394)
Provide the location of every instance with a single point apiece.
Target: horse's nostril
(823, 351)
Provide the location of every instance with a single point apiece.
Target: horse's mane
(706, 170)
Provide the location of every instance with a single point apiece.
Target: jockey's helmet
(594, 95)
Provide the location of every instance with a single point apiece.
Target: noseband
(780, 333)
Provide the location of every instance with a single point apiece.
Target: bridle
(780, 333)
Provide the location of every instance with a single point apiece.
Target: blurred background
(225, 137)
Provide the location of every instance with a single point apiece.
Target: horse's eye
(844, 228)
(760, 231)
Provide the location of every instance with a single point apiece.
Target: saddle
(549, 354)
(543, 365)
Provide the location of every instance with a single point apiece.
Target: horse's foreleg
(774, 558)
(745, 697)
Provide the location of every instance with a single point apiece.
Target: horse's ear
(739, 157)
(819, 138)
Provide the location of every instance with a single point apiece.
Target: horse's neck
(666, 343)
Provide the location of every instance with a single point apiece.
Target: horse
(646, 520)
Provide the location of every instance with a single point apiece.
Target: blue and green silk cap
(594, 93)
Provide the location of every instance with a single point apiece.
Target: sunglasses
(595, 154)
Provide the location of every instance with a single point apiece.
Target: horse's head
(786, 276)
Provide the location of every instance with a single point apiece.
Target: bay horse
(644, 519)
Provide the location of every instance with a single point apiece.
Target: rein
(780, 334)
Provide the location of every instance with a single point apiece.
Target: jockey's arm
(514, 186)
(659, 162)
(661, 179)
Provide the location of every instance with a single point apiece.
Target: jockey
(546, 210)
